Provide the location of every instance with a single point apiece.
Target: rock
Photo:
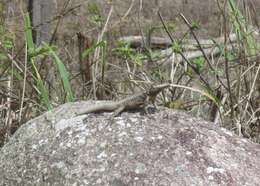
(166, 147)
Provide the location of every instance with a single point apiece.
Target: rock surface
(166, 147)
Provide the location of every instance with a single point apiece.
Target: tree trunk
(41, 14)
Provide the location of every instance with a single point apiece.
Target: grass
(222, 88)
(34, 56)
(40, 87)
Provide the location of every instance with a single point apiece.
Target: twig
(24, 85)
(251, 92)
(182, 55)
(97, 51)
(201, 49)
(223, 13)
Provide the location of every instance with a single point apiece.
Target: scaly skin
(139, 100)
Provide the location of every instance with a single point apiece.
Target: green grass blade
(64, 75)
(241, 28)
(28, 32)
(43, 92)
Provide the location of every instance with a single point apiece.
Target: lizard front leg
(117, 111)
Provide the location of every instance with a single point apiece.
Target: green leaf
(176, 47)
(199, 63)
(42, 90)
(91, 49)
(64, 75)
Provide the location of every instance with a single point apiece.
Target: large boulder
(166, 147)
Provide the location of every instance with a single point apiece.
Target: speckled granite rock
(164, 148)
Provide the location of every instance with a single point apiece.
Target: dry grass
(221, 85)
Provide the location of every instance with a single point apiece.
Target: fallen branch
(162, 43)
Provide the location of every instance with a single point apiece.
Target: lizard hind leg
(117, 112)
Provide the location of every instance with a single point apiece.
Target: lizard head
(154, 90)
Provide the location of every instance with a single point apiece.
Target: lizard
(138, 100)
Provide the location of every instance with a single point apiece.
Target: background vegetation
(87, 58)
